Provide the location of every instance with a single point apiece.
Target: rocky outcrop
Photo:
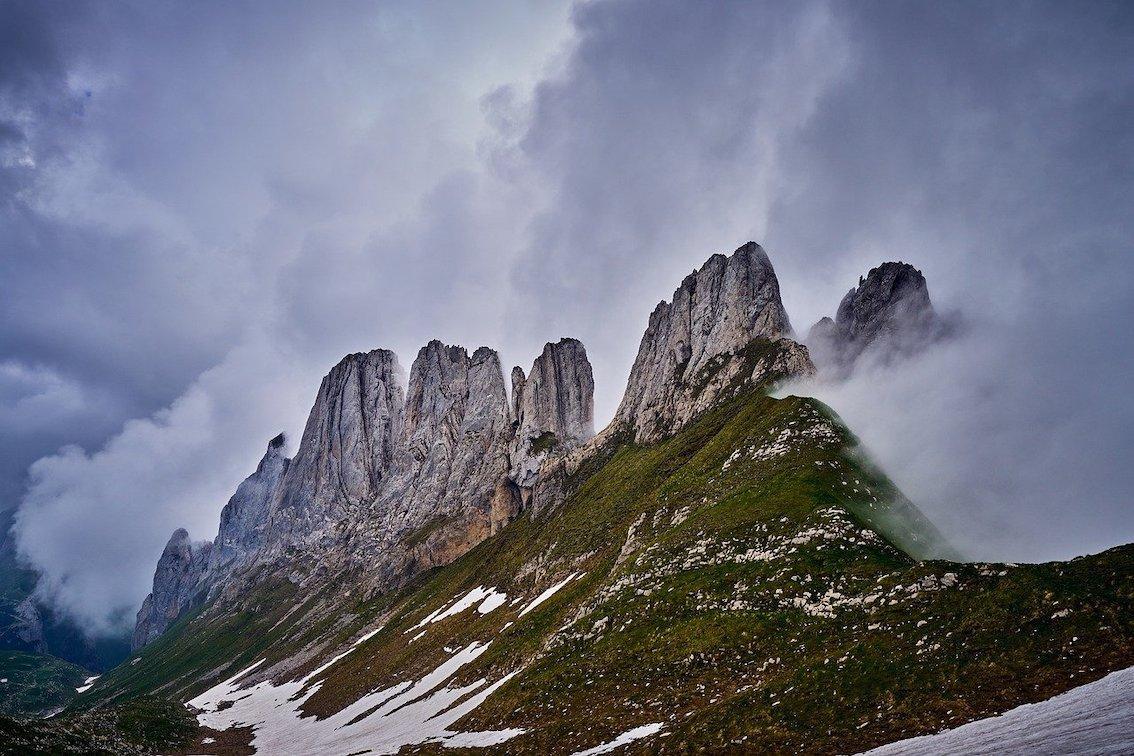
(389, 482)
(553, 408)
(26, 629)
(244, 517)
(690, 350)
(348, 446)
(176, 589)
(456, 430)
(442, 496)
(887, 316)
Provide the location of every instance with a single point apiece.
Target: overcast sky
(204, 205)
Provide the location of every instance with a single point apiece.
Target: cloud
(205, 206)
(91, 521)
(217, 203)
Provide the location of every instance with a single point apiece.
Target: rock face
(176, 586)
(27, 626)
(389, 482)
(244, 517)
(452, 456)
(348, 446)
(686, 355)
(887, 316)
(553, 408)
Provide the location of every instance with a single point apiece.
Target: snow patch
(629, 736)
(488, 598)
(86, 684)
(548, 593)
(407, 713)
(1093, 718)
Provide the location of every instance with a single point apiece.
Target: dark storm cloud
(205, 206)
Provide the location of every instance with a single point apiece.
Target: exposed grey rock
(176, 586)
(348, 445)
(456, 430)
(887, 316)
(518, 381)
(27, 626)
(686, 356)
(244, 517)
(447, 489)
(553, 408)
(387, 483)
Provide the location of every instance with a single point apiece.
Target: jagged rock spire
(716, 311)
(553, 407)
(456, 425)
(889, 314)
(348, 445)
(176, 582)
(244, 517)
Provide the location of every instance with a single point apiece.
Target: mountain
(716, 570)
(887, 316)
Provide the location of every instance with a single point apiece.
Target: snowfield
(1097, 718)
(408, 713)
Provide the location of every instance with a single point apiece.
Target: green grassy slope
(146, 726)
(740, 582)
(35, 684)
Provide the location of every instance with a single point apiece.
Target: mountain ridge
(724, 573)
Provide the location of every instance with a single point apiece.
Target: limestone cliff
(691, 347)
(347, 448)
(553, 408)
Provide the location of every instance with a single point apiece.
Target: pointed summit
(553, 407)
(888, 315)
(175, 586)
(347, 447)
(715, 313)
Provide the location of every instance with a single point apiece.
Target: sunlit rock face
(887, 316)
(686, 355)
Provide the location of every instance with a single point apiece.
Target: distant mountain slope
(38, 648)
(37, 684)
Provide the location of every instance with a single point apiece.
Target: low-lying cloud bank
(1013, 464)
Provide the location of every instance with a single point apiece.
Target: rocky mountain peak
(713, 315)
(553, 407)
(889, 314)
(175, 586)
(244, 517)
(348, 445)
(389, 482)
